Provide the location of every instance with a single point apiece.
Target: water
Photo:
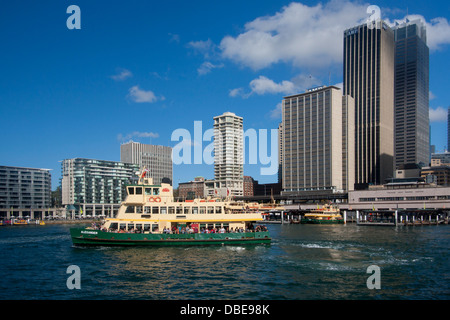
(303, 262)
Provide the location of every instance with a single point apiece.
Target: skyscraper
(228, 154)
(448, 129)
(412, 143)
(369, 79)
(318, 135)
(156, 159)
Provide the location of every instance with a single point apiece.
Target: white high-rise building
(229, 154)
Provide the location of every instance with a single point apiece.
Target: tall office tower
(228, 154)
(317, 136)
(95, 187)
(156, 159)
(369, 79)
(412, 130)
(280, 152)
(448, 129)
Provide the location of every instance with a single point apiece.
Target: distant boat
(20, 222)
(326, 215)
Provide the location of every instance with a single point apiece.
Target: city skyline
(143, 70)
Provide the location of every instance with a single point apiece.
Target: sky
(139, 70)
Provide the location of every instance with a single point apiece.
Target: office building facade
(318, 135)
(156, 159)
(95, 187)
(412, 125)
(229, 154)
(369, 79)
(24, 188)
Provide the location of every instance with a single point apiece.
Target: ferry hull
(87, 237)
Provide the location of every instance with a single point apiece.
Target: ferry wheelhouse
(150, 216)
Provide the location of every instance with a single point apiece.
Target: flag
(144, 173)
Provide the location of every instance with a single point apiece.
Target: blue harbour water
(304, 262)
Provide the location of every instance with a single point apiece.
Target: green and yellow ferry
(326, 215)
(149, 216)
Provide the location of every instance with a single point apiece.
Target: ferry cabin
(152, 209)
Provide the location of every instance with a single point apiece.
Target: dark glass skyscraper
(369, 79)
(412, 143)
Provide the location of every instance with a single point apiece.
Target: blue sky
(142, 69)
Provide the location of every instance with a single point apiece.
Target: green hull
(319, 221)
(87, 237)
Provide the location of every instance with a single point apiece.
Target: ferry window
(210, 209)
(123, 226)
(130, 209)
(114, 226)
(139, 227)
(146, 227)
(202, 210)
(179, 210)
(156, 191)
(138, 209)
(194, 210)
(210, 226)
(202, 226)
(171, 210)
(218, 209)
(139, 190)
(148, 191)
(186, 210)
(163, 210)
(147, 210)
(155, 210)
(155, 228)
(130, 190)
(130, 226)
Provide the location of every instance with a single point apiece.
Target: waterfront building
(439, 159)
(369, 79)
(229, 154)
(439, 174)
(95, 187)
(24, 191)
(416, 195)
(249, 186)
(156, 159)
(412, 128)
(318, 136)
(194, 189)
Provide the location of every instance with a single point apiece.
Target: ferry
(326, 215)
(150, 216)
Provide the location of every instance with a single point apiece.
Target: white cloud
(136, 134)
(140, 96)
(207, 66)
(264, 85)
(298, 34)
(276, 113)
(206, 48)
(438, 115)
(122, 75)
